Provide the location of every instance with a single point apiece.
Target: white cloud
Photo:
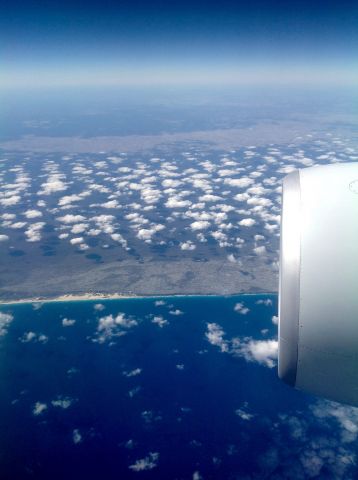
(267, 302)
(133, 373)
(247, 222)
(28, 337)
(112, 326)
(146, 463)
(311, 462)
(147, 233)
(243, 412)
(241, 197)
(104, 223)
(170, 183)
(257, 190)
(81, 170)
(197, 476)
(33, 213)
(226, 172)
(79, 228)
(117, 237)
(219, 235)
(76, 240)
(67, 322)
(53, 184)
(134, 391)
(258, 238)
(242, 182)
(160, 321)
(159, 303)
(286, 169)
(232, 259)
(5, 320)
(240, 308)
(209, 198)
(68, 199)
(200, 225)
(263, 202)
(99, 307)
(344, 416)
(33, 337)
(110, 204)
(62, 402)
(76, 436)
(39, 408)
(174, 202)
(8, 202)
(4, 238)
(261, 351)
(150, 195)
(215, 336)
(68, 219)
(187, 245)
(18, 225)
(260, 250)
(99, 188)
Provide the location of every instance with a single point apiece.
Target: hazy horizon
(183, 43)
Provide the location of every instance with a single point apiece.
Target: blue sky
(156, 41)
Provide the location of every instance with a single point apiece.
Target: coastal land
(61, 281)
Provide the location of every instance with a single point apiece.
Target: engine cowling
(318, 292)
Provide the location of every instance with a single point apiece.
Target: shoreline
(116, 296)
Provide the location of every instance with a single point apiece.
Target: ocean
(180, 387)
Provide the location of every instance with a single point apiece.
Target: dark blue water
(182, 389)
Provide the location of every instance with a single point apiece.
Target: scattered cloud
(39, 408)
(133, 373)
(62, 402)
(146, 463)
(160, 321)
(240, 308)
(215, 335)
(112, 326)
(263, 352)
(67, 322)
(260, 351)
(33, 337)
(33, 214)
(76, 436)
(243, 412)
(5, 320)
(247, 222)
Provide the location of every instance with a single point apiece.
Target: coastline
(114, 296)
(68, 298)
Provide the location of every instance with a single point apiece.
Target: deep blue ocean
(159, 388)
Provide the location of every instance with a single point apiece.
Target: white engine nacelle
(318, 294)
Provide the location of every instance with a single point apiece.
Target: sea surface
(160, 388)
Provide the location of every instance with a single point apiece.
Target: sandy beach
(68, 298)
(114, 296)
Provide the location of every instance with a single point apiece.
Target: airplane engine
(318, 292)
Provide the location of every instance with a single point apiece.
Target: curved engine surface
(318, 294)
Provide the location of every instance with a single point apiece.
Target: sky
(144, 42)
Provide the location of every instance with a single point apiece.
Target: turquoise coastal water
(167, 387)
